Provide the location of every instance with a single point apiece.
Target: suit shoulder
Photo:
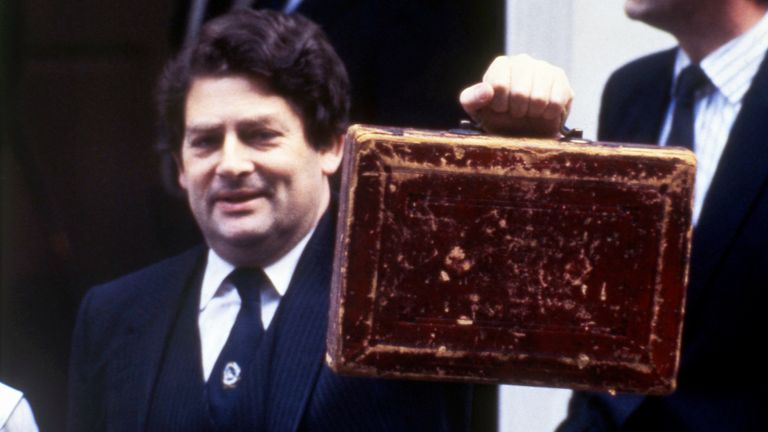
(635, 94)
(126, 290)
(642, 71)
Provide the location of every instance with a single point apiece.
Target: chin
(241, 248)
(637, 10)
(245, 238)
(666, 15)
(239, 235)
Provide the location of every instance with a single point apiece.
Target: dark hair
(290, 52)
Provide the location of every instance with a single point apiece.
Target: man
(722, 372)
(231, 336)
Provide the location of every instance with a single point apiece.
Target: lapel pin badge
(231, 375)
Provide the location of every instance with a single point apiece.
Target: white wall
(589, 39)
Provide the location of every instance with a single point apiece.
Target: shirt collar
(732, 67)
(279, 273)
(216, 270)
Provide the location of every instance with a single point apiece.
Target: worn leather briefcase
(476, 258)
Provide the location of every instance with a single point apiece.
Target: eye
(257, 135)
(205, 141)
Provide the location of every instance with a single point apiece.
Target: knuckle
(498, 63)
(538, 103)
(518, 95)
(551, 112)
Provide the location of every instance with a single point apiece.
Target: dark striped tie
(225, 385)
(691, 80)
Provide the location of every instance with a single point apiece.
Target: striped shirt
(291, 6)
(731, 69)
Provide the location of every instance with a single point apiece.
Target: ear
(330, 158)
(182, 175)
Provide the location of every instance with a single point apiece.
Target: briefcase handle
(470, 127)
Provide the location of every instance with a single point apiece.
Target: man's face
(665, 14)
(254, 184)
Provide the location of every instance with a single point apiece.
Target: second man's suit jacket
(123, 328)
(721, 384)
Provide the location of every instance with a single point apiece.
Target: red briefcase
(486, 259)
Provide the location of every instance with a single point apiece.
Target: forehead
(221, 99)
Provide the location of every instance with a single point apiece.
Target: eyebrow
(202, 128)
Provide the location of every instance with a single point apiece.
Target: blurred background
(82, 197)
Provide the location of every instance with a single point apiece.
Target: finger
(503, 124)
(476, 97)
(541, 93)
(560, 99)
(520, 87)
(498, 77)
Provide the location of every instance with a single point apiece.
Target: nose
(235, 158)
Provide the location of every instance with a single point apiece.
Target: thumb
(475, 97)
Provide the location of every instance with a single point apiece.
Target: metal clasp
(467, 127)
(573, 135)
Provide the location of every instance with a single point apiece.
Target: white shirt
(731, 69)
(15, 412)
(220, 302)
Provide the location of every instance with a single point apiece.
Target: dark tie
(225, 385)
(271, 4)
(691, 80)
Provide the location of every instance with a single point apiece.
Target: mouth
(237, 201)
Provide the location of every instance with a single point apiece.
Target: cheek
(284, 167)
(195, 174)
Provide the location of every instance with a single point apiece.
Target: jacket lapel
(299, 343)
(640, 105)
(741, 176)
(644, 120)
(148, 334)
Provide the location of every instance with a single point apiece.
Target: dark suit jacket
(123, 328)
(721, 383)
